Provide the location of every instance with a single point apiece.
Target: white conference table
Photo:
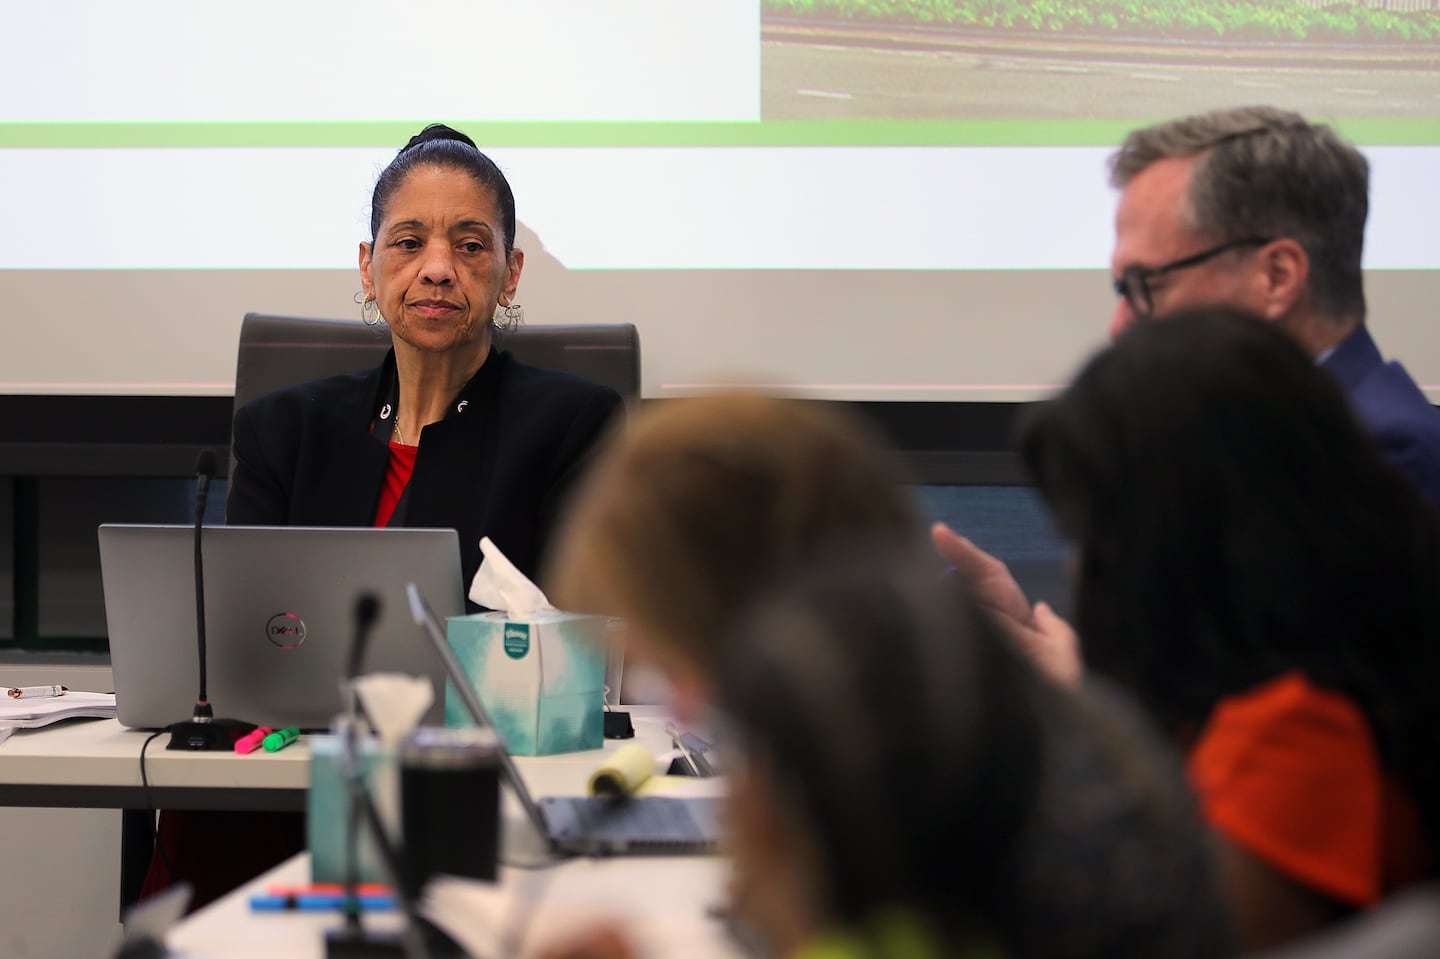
(94, 763)
(665, 903)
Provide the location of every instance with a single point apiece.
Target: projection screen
(909, 205)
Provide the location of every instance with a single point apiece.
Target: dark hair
(439, 145)
(1235, 523)
(1268, 172)
(900, 726)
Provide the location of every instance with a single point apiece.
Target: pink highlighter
(251, 741)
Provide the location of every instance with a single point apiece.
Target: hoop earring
(507, 317)
(369, 309)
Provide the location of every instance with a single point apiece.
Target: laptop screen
(279, 615)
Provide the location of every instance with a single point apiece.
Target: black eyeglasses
(1134, 283)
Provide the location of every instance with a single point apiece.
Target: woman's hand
(1052, 644)
(994, 586)
(1049, 641)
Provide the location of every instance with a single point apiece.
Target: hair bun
(438, 131)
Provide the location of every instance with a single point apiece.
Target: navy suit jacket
(499, 465)
(1392, 408)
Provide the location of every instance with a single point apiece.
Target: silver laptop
(279, 616)
(581, 825)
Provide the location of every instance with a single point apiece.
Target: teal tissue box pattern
(542, 679)
(327, 808)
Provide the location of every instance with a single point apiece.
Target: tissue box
(327, 808)
(542, 679)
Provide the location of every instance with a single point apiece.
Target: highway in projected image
(1100, 59)
(805, 80)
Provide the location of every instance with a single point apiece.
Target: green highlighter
(281, 738)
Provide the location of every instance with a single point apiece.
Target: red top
(397, 474)
(1289, 771)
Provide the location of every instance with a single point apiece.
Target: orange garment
(1289, 771)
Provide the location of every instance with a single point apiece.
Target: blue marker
(320, 902)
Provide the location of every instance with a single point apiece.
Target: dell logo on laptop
(285, 630)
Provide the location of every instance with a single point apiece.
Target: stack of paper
(29, 713)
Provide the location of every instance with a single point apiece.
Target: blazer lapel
(357, 458)
(456, 464)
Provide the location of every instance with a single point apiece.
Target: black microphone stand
(353, 941)
(367, 609)
(204, 732)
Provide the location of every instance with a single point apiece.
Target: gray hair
(1262, 171)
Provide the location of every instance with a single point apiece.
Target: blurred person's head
(1249, 207)
(701, 503)
(888, 749)
(1234, 523)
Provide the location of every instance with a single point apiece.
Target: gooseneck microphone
(367, 611)
(203, 731)
(204, 472)
(353, 941)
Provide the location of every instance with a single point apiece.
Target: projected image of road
(1102, 59)
(842, 207)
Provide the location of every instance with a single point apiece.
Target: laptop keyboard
(654, 817)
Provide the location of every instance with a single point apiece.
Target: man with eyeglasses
(1256, 208)
(1252, 207)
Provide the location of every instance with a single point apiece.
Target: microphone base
(218, 735)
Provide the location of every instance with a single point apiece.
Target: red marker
(330, 889)
(251, 741)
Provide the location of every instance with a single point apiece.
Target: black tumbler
(449, 804)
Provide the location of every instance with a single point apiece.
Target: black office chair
(1406, 926)
(278, 351)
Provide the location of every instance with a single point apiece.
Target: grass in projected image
(1100, 59)
(1331, 21)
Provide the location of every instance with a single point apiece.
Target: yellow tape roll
(623, 771)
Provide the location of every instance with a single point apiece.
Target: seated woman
(895, 766)
(1265, 584)
(702, 505)
(448, 431)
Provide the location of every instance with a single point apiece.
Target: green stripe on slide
(1003, 132)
